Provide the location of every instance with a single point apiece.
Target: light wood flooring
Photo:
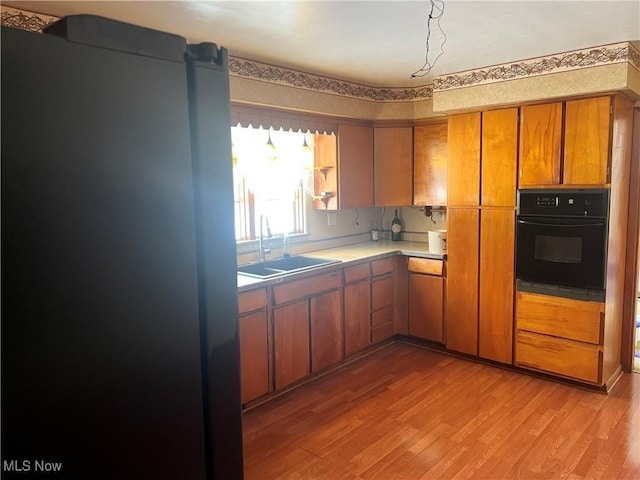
(407, 412)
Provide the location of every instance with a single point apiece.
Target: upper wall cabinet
(579, 155)
(499, 157)
(392, 160)
(343, 169)
(355, 166)
(325, 183)
(463, 186)
(430, 155)
(540, 144)
(586, 141)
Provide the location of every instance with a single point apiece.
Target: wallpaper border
(574, 60)
(254, 70)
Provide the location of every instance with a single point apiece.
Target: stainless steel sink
(281, 266)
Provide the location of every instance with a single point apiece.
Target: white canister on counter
(437, 241)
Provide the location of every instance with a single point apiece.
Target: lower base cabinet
(559, 356)
(561, 336)
(254, 355)
(326, 330)
(253, 332)
(383, 287)
(426, 299)
(291, 343)
(357, 309)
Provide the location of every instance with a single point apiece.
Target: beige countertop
(347, 254)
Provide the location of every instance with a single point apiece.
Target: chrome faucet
(262, 249)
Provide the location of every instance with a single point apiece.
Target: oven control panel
(564, 203)
(547, 201)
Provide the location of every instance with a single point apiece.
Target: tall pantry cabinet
(481, 233)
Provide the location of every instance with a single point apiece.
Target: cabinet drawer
(252, 300)
(381, 317)
(385, 265)
(561, 317)
(357, 272)
(306, 287)
(428, 266)
(383, 331)
(557, 355)
(381, 292)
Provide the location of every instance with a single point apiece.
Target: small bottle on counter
(375, 233)
(396, 228)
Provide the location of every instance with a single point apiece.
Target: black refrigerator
(120, 354)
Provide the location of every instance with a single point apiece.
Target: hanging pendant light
(271, 149)
(270, 143)
(305, 145)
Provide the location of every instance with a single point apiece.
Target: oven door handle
(571, 225)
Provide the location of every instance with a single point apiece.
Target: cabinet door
(497, 279)
(540, 142)
(430, 154)
(499, 157)
(463, 163)
(462, 280)
(425, 307)
(254, 359)
(586, 141)
(291, 342)
(357, 316)
(326, 330)
(392, 166)
(355, 166)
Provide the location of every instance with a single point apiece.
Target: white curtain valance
(257, 117)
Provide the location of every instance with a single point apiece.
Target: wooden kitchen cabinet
(383, 280)
(587, 141)
(254, 350)
(430, 152)
(392, 166)
(463, 237)
(355, 166)
(480, 234)
(497, 284)
(558, 356)
(307, 317)
(426, 290)
(499, 157)
(480, 282)
(463, 163)
(326, 330)
(578, 320)
(343, 168)
(561, 336)
(577, 153)
(357, 308)
(291, 343)
(325, 173)
(540, 145)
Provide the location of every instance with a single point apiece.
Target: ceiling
(376, 43)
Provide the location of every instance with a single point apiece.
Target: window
(270, 173)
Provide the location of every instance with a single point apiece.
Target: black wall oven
(561, 242)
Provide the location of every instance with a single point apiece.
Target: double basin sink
(282, 266)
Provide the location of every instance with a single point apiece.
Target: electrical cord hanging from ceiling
(438, 6)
